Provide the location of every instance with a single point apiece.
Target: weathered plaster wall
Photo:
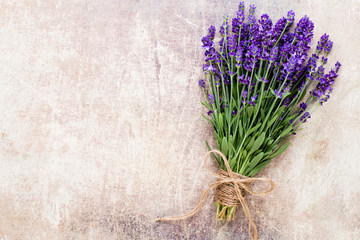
(101, 129)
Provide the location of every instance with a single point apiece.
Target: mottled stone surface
(101, 130)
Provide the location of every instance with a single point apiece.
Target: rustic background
(101, 129)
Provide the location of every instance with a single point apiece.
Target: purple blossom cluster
(270, 50)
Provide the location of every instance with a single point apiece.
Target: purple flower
(279, 27)
(217, 80)
(286, 102)
(304, 30)
(274, 54)
(265, 23)
(291, 121)
(209, 113)
(302, 84)
(305, 117)
(253, 99)
(290, 17)
(312, 62)
(302, 107)
(209, 46)
(278, 93)
(202, 83)
(324, 88)
(322, 43)
(337, 66)
(244, 94)
(224, 26)
(232, 42)
(251, 17)
(239, 54)
(328, 47)
(240, 17)
(208, 68)
(285, 50)
(324, 59)
(211, 98)
(321, 71)
(231, 73)
(288, 63)
(264, 80)
(243, 80)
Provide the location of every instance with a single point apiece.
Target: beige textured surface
(101, 129)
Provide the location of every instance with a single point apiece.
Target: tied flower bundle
(261, 85)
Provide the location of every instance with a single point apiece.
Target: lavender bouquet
(260, 87)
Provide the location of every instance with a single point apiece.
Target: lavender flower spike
(251, 17)
(322, 43)
(240, 17)
(328, 47)
(290, 17)
(202, 83)
(211, 98)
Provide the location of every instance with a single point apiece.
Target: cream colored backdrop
(101, 129)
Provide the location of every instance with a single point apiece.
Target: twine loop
(230, 187)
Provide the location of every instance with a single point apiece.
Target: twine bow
(236, 182)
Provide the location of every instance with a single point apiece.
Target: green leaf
(270, 141)
(256, 160)
(216, 135)
(224, 146)
(257, 144)
(231, 139)
(231, 145)
(280, 150)
(258, 168)
(285, 95)
(241, 132)
(210, 121)
(280, 110)
(272, 121)
(262, 113)
(254, 128)
(221, 123)
(301, 97)
(286, 132)
(232, 163)
(218, 143)
(257, 106)
(234, 119)
(244, 153)
(250, 144)
(206, 104)
(272, 91)
(250, 111)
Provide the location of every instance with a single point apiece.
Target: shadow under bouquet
(260, 86)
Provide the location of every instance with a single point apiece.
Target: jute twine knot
(229, 192)
(225, 193)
